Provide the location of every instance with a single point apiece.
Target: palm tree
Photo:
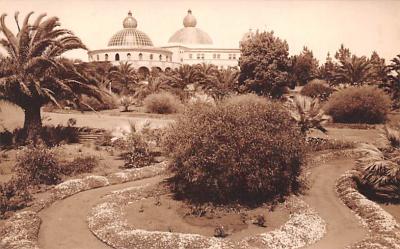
(156, 83)
(35, 74)
(124, 78)
(394, 80)
(354, 71)
(220, 84)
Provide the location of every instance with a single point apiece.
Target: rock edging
(21, 230)
(106, 222)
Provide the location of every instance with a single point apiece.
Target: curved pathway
(64, 224)
(343, 228)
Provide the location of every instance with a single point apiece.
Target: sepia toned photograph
(199, 124)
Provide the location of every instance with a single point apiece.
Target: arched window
(117, 57)
(151, 56)
(98, 57)
(106, 57)
(140, 56)
(160, 57)
(128, 56)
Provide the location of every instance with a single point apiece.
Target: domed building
(189, 45)
(134, 46)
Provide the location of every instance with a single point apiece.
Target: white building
(189, 45)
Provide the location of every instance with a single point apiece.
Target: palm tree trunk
(33, 122)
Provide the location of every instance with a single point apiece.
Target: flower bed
(21, 231)
(106, 222)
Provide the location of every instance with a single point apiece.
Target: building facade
(189, 45)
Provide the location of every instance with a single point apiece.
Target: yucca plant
(308, 114)
(126, 101)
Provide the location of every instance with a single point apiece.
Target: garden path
(343, 228)
(64, 224)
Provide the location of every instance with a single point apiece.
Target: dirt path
(342, 226)
(64, 223)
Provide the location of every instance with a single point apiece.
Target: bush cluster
(39, 165)
(51, 136)
(137, 151)
(247, 151)
(317, 89)
(14, 195)
(162, 103)
(365, 104)
(79, 165)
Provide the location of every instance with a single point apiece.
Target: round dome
(130, 36)
(189, 20)
(190, 34)
(130, 22)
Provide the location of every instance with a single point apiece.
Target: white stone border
(106, 222)
(21, 230)
(384, 231)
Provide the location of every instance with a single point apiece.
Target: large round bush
(235, 151)
(359, 105)
(317, 89)
(162, 103)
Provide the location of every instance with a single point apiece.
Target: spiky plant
(33, 73)
(308, 114)
(393, 136)
(379, 173)
(126, 101)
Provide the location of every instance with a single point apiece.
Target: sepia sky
(363, 26)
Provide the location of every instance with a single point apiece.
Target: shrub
(244, 99)
(39, 165)
(359, 105)
(162, 103)
(317, 89)
(51, 136)
(138, 152)
(14, 195)
(109, 102)
(246, 152)
(80, 164)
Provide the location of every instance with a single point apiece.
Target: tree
(156, 83)
(35, 74)
(327, 70)
(304, 66)
(222, 84)
(393, 86)
(124, 78)
(343, 53)
(378, 69)
(264, 65)
(354, 71)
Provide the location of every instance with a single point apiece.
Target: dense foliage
(304, 67)
(359, 105)
(162, 103)
(235, 151)
(39, 165)
(317, 89)
(14, 195)
(264, 65)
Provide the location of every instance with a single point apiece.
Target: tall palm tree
(35, 73)
(354, 71)
(124, 78)
(394, 80)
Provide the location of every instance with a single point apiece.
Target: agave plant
(308, 114)
(126, 101)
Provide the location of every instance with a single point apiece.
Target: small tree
(264, 65)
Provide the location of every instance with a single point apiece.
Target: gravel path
(343, 228)
(64, 223)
